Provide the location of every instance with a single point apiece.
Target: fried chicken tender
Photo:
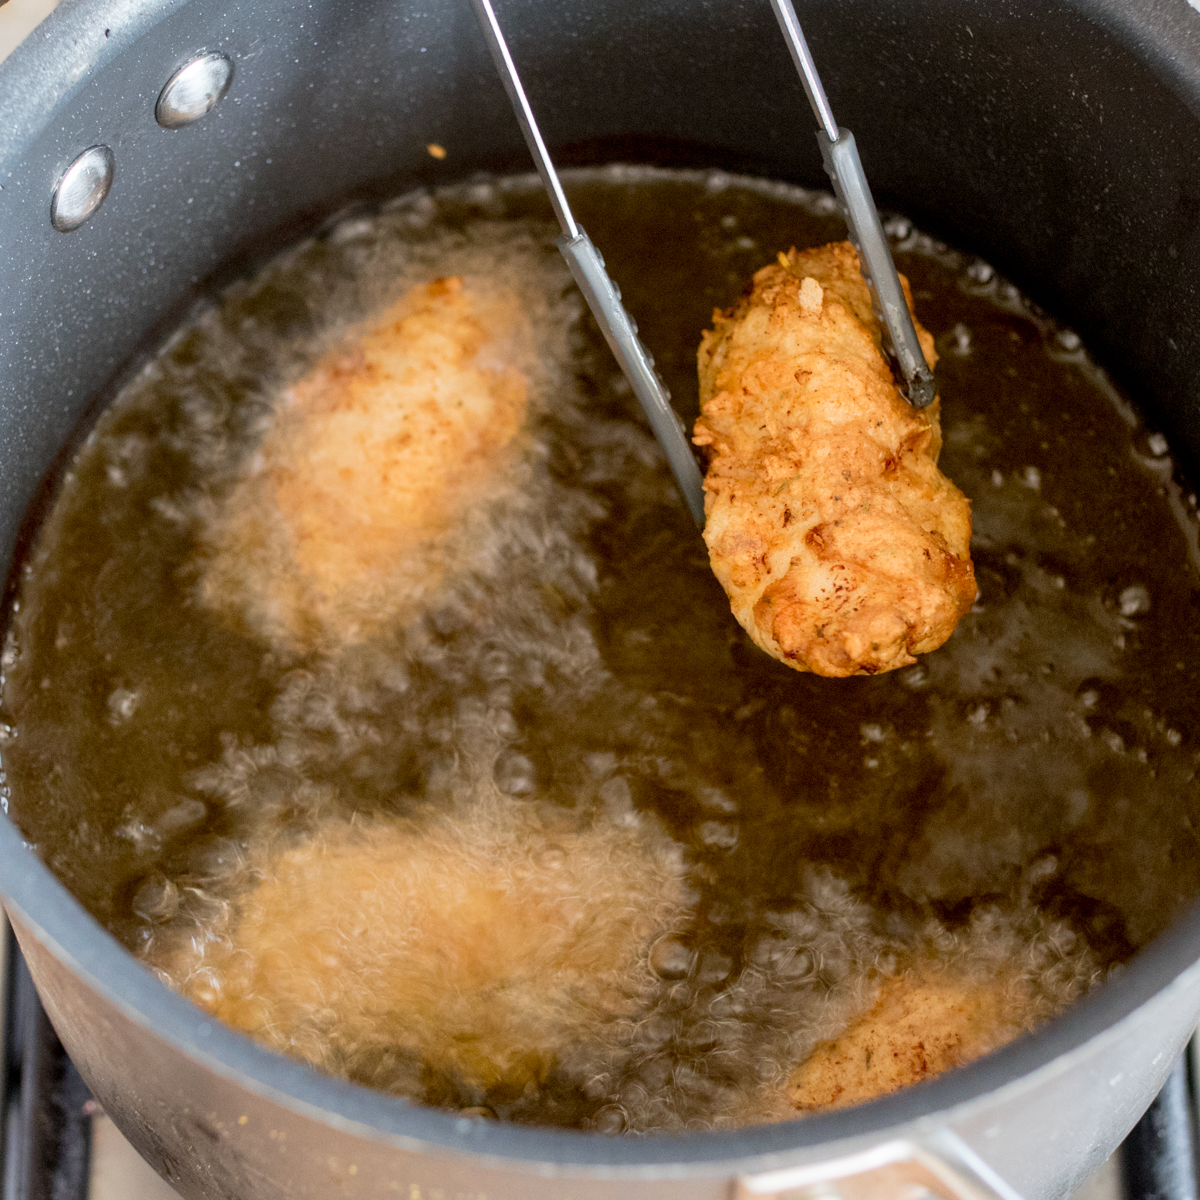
(345, 516)
(480, 951)
(923, 1024)
(842, 547)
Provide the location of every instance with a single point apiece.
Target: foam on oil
(653, 869)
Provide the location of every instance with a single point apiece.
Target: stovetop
(55, 1141)
(57, 1144)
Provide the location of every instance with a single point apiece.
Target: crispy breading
(922, 1024)
(842, 547)
(341, 521)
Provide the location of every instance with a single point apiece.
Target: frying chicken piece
(842, 547)
(345, 516)
(921, 1025)
(458, 963)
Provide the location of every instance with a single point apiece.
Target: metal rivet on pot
(194, 90)
(82, 188)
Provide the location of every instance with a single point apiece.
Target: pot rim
(70, 47)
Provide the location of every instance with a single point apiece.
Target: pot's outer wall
(1058, 139)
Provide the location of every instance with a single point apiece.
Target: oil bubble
(670, 959)
(505, 724)
(495, 666)
(980, 272)
(718, 835)
(617, 798)
(714, 967)
(214, 858)
(610, 1120)
(655, 1031)
(121, 705)
(717, 800)
(958, 342)
(515, 774)
(181, 818)
(551, 858)
(782, 956)
(1134, 601)
(156, 899)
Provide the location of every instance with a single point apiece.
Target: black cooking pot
(1058, 138)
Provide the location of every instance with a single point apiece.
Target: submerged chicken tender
(455, 962)
(842, 547)
(921, 1026)
(348, 511)
(961, 995)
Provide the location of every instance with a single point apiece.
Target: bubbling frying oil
(562, 847)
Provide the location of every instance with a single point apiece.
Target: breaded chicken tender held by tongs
(842, 547)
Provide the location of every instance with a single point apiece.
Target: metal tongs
(845, 171)
(601, 293)
(604, 297)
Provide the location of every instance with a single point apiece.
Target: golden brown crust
(341, 522)
(921, 1025)
(842, 547)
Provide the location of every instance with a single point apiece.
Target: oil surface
(1024, 795)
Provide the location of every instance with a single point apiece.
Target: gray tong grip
(853, 192)
(621, 334)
